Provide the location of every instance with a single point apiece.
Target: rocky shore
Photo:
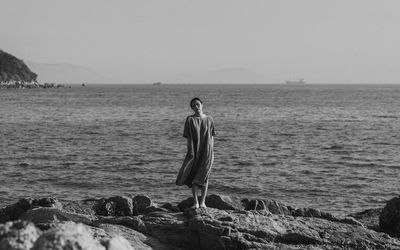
(28, 85)
(137, 222)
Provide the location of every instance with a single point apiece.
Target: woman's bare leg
(204, 195)
(195, 192)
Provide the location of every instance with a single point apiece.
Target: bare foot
(195, 206)
(203, 206)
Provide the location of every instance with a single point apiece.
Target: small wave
(269, 164)
(76, 184)
(284, 134)
(386, 143)
(334, 147)
(244, 163)
(307, 172)
(355, 186)
(386, 116)
(363, 165)
(392, 166)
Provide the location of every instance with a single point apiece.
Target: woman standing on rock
(196, 168)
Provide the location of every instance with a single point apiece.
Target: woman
(196, 168)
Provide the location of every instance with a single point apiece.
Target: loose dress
(196, 167)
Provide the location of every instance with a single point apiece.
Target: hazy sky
(149, 40)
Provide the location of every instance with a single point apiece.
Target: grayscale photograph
(199, 125)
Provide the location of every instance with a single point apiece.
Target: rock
(154, 208)
(251, 230)
(206, 228)
(47, 202)
(114, 206)
(168, 228)
(140, 203)
(122, 205)
(12, 212)
(269, 205)
(389, 220)
(139, 240)
(80, 207)
(222, 202)
(18, 234)
(369, 218)
(46, 217)
(68, 236)
(171, 207)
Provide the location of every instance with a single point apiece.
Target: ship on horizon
(299, 81)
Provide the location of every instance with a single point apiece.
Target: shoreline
(28, 85)
(227, 223)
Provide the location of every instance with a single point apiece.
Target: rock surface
(230, 224)
(389, 220)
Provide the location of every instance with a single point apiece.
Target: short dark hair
(195, 99)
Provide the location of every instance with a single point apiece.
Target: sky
(140, 41)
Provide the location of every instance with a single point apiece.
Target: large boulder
(140, 204)
(389, 220)
(12, 212)
(18, 234)
(114, 206)
(45, 217)
(122, 205)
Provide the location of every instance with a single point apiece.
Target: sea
(334, 147)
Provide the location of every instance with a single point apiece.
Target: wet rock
(140, 203)
(114, 206)
(389, 220)
(19, 235)
(68, 236)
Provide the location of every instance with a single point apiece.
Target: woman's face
(197, 106)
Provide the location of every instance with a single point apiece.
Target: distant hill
(65, 73)
(225, 75)
(14, 69)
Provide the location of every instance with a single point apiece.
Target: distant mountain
(65, 73)
(225, 75)
(12, 68)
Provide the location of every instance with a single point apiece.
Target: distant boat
(299, 81)
(156, 83)
(83, 84)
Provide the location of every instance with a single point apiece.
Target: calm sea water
(332, 147)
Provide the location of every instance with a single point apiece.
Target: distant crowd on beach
(28, 85)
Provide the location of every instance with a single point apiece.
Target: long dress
(196, 167)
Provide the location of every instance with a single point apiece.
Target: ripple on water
(285, 144)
